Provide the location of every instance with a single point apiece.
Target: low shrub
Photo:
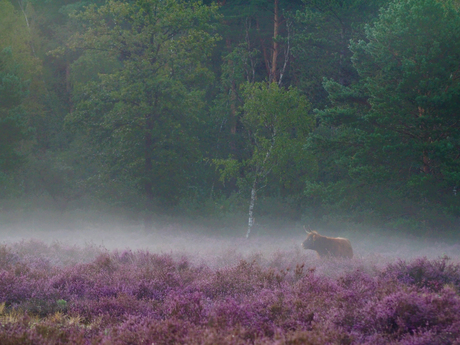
(126, 297)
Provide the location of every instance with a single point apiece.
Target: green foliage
(394, 135)
(322, 33)
(64, 176)
(138, 102)
(12, 124)
(278, 122)
(18, 73)
(141, 112)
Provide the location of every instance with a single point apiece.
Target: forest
(312, 111)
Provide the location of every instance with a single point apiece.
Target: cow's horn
(308, 232)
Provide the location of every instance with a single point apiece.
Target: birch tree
(277, 122)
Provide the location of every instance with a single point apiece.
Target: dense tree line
(337, 108)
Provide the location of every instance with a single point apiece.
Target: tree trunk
(426, 163)
(233, 121)
(425, 158)
(344, 46)
(23, 10)
(260, 171)
(251, 74)
(276, 24)
(68, 87)
(287, 53)
(148, 167)
(251, 207)
(264, 50)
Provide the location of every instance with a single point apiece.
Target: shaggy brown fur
(328, 246)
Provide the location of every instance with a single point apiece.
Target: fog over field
(81, 279)
(214, 248)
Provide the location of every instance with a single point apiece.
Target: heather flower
(138, 297)
(432, 274)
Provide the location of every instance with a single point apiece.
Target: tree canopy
(394, 133)
(333, 109)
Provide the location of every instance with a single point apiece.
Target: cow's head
(309, 242)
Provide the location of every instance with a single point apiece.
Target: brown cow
(328, 246)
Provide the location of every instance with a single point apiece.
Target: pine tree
(395, 134)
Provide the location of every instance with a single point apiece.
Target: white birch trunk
(286, 54)
(254, 186)
(251, 207)
(21, 6)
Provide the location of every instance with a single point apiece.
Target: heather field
(121, 285)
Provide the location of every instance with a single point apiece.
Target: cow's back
(343, 248)
(328, 246)
(336, 247)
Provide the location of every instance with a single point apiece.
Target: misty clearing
(161, 160)
(118, 284)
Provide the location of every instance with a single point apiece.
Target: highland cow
(328, 246)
